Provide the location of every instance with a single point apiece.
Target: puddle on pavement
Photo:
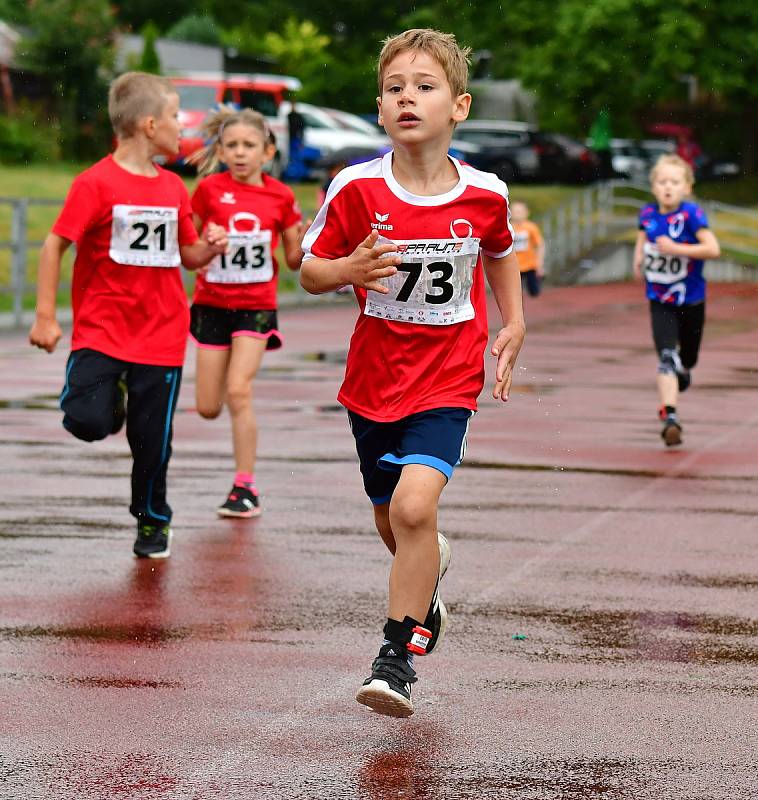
(587, 509)
(746, 582)
(48, 523)
(628, 473)
(638, 686)
(96, 682)
(328, 356)
(567, 779)
(619, 636)
(41, 402)
(138, 634)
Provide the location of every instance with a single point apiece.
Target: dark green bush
(26, 137)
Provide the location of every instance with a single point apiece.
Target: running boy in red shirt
(414, 233)
(233, 314)
(132, 224)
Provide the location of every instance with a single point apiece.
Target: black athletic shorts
(435, 438)
(678, 327)
(213, 328)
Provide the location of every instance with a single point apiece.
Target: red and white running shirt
(127, 294)
(422, 346)
(246, 277)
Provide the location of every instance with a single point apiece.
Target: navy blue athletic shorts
(436, 438)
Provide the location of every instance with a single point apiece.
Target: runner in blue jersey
(672, 244)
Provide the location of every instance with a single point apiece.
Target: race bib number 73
(145, 236)
(433, 284)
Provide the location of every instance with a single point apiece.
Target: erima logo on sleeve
(381, 222)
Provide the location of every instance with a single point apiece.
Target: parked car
(526, 153)
(566, 160)
(505, 148)
(329, 132)
(629, 159)
(200, 92)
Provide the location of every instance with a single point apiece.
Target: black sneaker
(119, 412)
(153, 541)
(436, 617)
(672, 430)
(388, 689)
(242, 502)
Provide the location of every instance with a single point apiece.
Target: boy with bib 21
(414, 233)
(132, 224)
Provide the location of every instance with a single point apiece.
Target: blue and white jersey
(677, 280)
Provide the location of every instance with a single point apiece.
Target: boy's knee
(209, 411)
(409, 512)
(91, 430)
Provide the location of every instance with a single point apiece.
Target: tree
(633, 57)
(199, 28)
(72, 46)
(150, 60)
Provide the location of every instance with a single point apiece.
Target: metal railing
(21, 247)
(608, 212)
(601, 213)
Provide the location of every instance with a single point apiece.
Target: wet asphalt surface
(603, 592)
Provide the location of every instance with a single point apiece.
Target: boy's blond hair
(135, 95)
(673, 160)
(442, 47)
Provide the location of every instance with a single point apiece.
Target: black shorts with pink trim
(214, 328)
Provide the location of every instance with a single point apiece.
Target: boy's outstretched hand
(506, 349)
(368, 263)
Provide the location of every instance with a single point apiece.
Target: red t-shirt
(263, 210)
(424, 347)
(127, 294)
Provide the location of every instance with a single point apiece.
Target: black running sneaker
(153, 541)
(242, 502)
(388, 689)
(436, 617)
(672, 430)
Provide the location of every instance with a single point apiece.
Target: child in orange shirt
(529, 247)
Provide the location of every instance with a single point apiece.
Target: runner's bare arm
(504, 278)
(707, 246)
(292, 240)
(203, 251)
(363, 267)
(46, 332)
(637, 260)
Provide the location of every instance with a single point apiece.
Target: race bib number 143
(433, 284)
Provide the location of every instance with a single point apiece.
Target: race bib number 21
(145, 236)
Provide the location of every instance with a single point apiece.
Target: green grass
(52, 182)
